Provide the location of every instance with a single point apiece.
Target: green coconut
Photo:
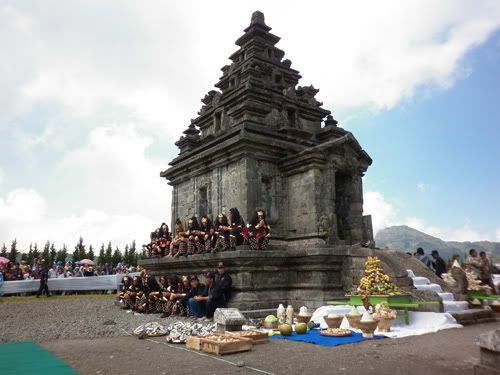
(285, 329)
(271, 318)
(301, 328)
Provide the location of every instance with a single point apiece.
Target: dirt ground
(451, 351)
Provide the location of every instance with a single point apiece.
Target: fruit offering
(375, 281)
(382, 311)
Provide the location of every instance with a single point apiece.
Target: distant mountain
(406, 239)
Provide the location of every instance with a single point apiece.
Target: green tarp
(30, 358)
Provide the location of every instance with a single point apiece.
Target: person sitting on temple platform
(208, 237)
(238, 228)
(164, 239)
(178, 246)
(151, 249)
(222, 232)
(473, 263)
(486, 269)
(193, 234)
(258, 231)
(195, 308)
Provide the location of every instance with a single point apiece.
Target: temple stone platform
(264, 279)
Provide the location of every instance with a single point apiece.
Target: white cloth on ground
(420, 322)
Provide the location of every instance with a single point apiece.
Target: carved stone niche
(307, 95)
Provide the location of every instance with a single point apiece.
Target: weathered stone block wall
(225, 188)
(300, 212)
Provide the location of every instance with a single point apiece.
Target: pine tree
(36, 252)
(90, 254)
(126, 255)
(117, 257)
(13, 251)
(3, 252)
(53, 254)
(62, 254)
(30, 254)
(46, 252)
(109, 254)
(102, 256)
(79, 252)
(132, 255)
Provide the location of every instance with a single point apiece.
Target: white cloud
(382, 211)
(21, 206)
(422, 226)
(423, 187)
(466, 233)
(111, 172)
(154, 62)
(96, 227)
(109, 190)
(2, 175)
(498, 234)
(149, 64)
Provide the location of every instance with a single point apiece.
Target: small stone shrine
(228, 319)
(262, 140)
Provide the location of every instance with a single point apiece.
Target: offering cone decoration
(375, 281)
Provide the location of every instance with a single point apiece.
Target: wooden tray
(232, 344)
(326, 332)
(193, 342)
(256, 336)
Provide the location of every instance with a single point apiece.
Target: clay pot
(304, 318)
(334, 322)
(353, 320)
(368, 328)
(384, 325)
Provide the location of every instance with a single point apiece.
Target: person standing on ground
(44, 277)
(420, 255)
(438, 263)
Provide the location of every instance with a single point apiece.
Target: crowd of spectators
(477, 263)
(24, 271)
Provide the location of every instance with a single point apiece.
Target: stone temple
(262, 140)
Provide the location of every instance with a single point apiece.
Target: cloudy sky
(93, 94)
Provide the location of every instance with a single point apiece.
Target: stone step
(433, 287)
(411, 273)
(418, 280)
(258, 314)
(474, 316)
(446, 296)
(455, 306)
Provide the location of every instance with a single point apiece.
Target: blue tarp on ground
(314, 337)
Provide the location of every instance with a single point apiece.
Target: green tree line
(107, 255)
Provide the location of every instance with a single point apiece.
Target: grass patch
(56, 298)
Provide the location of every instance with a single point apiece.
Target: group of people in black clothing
(201, 236)
(174, 295)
